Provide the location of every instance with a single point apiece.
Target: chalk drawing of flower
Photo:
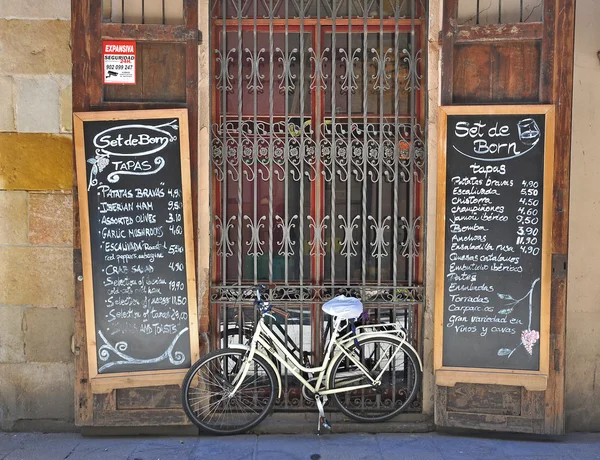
(528, 339)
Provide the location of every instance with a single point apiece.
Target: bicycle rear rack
(395, 329)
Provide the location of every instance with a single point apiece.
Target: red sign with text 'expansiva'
(118, 58)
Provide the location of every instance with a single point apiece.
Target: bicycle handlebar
(280, 312)
(263, 306)
(262, 288)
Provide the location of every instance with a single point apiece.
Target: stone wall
(36, 216)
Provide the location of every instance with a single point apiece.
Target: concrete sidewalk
(38, 446)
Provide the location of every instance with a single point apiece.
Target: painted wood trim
(148, 32)
(547, 57)
(449, 15)
(498, 109)
(94, 60)
(449, 376)
(148, 105)
(547, 238)
(142, 378)
(440, 242)
(531, 382)
(499, 33)
(494, 422)
(563, 42)
(86, 261)
(188, 225)
(310, 22)
(192, 84)
(108, 383)
(80, 23)
(112, 417)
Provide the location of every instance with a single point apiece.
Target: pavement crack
(72, 450)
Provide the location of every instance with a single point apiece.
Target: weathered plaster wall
(583, 303)
(204, 169)
(36, 216)
(433, 103)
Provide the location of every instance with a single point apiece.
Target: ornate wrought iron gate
(318, 157)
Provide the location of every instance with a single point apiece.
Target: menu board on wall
(135, 213)
(493, 245)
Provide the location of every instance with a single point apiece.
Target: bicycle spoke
(208, 387)
(383, 359)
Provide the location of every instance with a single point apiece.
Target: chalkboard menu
(494, 238)
(134, 192)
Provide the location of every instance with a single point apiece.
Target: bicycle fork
(321, 400)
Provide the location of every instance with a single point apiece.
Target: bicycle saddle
(343, 307)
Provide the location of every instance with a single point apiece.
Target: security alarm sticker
(118, 59)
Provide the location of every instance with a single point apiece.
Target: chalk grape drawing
(98, 163)
(529, 337)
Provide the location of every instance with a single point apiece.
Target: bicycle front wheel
(207, 392)
(387, 358)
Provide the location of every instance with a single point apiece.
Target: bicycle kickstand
(321, 400)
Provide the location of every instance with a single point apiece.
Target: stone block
(37, 105)
(36, 162)
(13, 217)
(7, 108)
(12, 337)
(35, 391)
(34, 9)
(51, 219)
(42, 47)
(66, 110)
(48, 334)
(37, 276)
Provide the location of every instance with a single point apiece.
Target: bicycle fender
(404, 342)
(266, 358)
(408, 345)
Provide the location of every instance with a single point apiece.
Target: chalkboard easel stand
(465, 135)
(134, 184)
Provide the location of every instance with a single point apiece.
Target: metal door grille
(481, 12)
(318, 162)
(168, 12)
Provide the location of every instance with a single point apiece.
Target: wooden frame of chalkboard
(135, 208)
(493, 245)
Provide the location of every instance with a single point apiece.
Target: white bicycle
(371, 372)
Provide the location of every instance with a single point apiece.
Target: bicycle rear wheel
(400, 379)
(207, 398)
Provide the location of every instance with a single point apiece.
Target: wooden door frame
(556, 35)
(87, 33)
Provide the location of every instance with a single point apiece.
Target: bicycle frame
(279, 351)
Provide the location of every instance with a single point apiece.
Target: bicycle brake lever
(270, 316)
